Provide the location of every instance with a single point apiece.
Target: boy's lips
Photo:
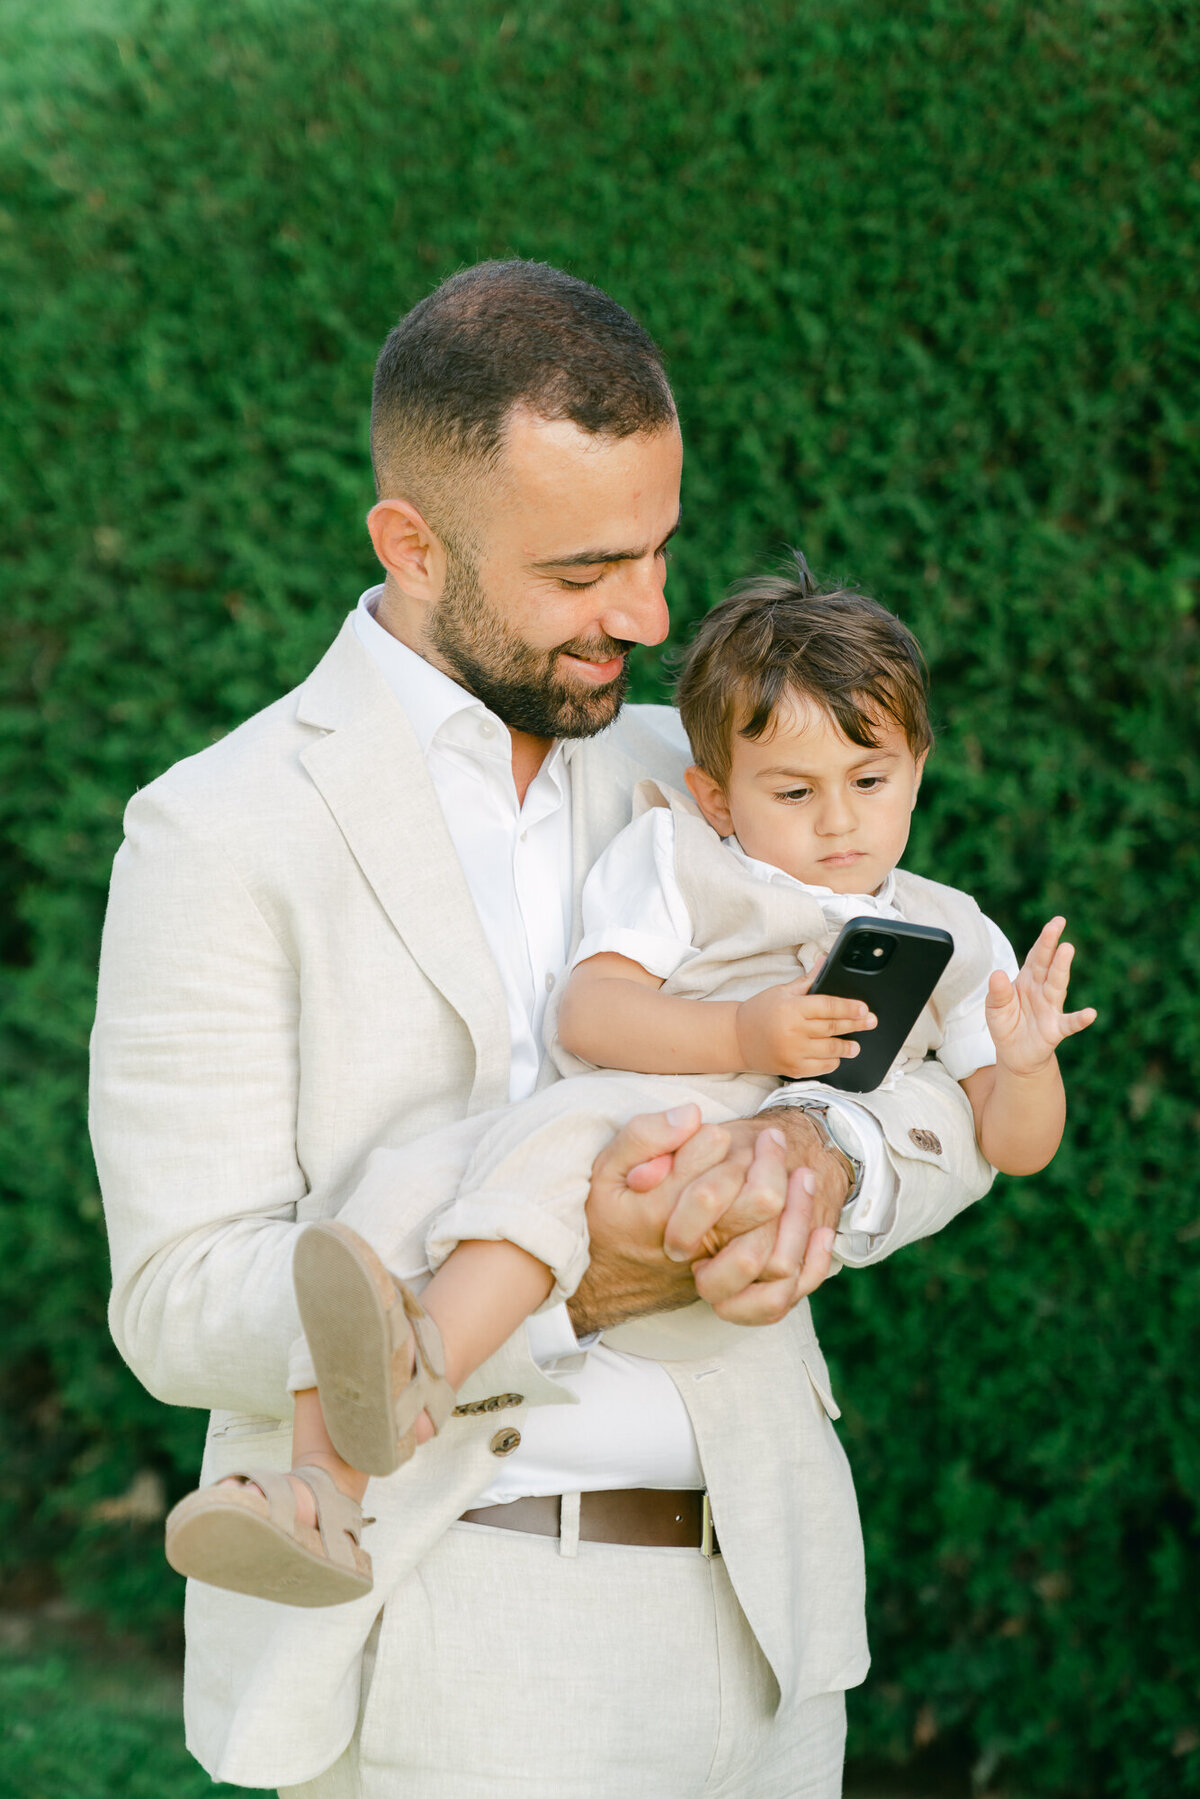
(842, 859)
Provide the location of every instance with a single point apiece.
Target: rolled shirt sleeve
(632, 905)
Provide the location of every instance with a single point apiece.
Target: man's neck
(403, 623)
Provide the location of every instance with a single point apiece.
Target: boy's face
(807, 800)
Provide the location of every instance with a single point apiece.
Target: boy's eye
(794, 794)
(869, 783)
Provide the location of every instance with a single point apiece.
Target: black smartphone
(894, 966)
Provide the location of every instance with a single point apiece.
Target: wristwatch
(825, 1123)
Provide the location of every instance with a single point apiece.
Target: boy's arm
(1019, 1118)
(1019, 1105)
(614, 1015)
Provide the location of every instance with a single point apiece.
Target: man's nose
(637, 611)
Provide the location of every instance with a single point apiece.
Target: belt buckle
(706, 1527)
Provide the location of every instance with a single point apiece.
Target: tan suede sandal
(376, 1351)
(248, 1540)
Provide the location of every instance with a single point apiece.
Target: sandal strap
(339, 1518)
(426, 1388)
(278, 1492)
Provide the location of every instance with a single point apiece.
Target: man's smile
(594, 674)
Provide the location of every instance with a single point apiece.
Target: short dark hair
(497, 336)
(783, 634)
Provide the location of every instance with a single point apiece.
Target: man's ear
(409, 548)
(709, 795)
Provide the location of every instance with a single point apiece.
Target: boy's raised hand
(1025, 1017)
(789, 1031)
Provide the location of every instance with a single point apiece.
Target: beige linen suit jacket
(293, 983)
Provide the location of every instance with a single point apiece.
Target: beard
(515, 681)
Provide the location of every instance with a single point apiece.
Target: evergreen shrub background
(926, 279)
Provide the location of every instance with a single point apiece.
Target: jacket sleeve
(195, 1081)
(929, 1140)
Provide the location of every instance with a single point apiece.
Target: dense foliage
(927, 281)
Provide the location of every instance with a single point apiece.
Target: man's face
(567, 575)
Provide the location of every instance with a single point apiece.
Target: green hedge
(926, 277)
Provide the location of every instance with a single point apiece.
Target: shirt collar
(883, 896)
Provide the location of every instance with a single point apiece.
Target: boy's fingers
(1078, 1021)
(821, 1007)
(1058, 975)
(805, 981)
(1000, 989)
(1042, 953)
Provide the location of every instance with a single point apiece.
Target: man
(337, 930)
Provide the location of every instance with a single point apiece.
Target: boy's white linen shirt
(633, 906)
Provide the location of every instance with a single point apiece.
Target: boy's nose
(835, 817)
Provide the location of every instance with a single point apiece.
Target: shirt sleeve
(632, 905)
(966, 1043)
(872, 1209)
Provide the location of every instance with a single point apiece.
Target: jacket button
(928, 1141)
(505, 1441)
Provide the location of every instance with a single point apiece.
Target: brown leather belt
(637, 1515)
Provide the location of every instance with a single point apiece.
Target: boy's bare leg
(477, 1298)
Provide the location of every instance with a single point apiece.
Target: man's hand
(740, 1214)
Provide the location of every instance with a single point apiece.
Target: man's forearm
(617, 1288)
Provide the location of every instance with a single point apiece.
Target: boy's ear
(921, 761)
(709, 795)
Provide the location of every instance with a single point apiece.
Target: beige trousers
(504, 1667)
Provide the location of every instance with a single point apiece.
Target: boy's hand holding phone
(789, 1031)
(1025, 1018)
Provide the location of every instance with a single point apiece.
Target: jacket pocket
(243, 1424)
(818, 1374)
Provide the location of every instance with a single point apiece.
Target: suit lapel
(368, 768)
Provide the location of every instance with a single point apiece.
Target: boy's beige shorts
(612, 1673)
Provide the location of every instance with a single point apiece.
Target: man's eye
(578, 586)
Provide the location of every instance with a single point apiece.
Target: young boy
(807, 715)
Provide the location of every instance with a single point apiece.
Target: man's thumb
(648, 1137)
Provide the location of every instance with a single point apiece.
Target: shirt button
(549, 983)
(505, 1441)
(524, 835)
(486, 728)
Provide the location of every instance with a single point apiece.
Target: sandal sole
(344, 1293)
(228, 1545)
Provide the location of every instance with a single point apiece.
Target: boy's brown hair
(779, 634)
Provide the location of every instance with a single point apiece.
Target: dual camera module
(868, 951)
